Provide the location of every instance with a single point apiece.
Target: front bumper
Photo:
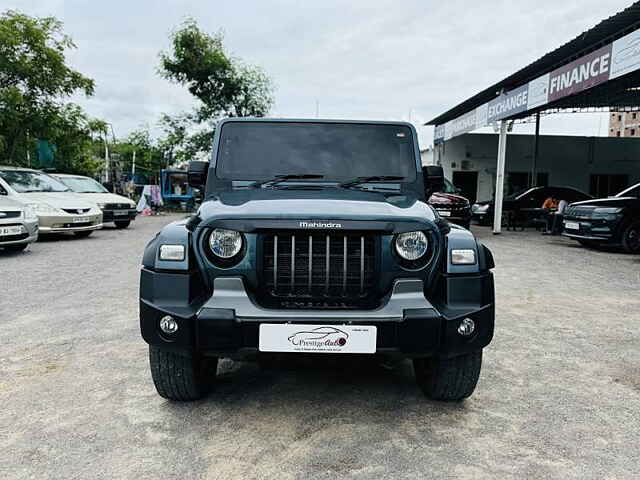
(118, 215)
(66, 223)
(29, 233)
(228, 322)
(603, 231)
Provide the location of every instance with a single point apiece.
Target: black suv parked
(315, 237)
(613, 221)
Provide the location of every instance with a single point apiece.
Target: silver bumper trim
(229, 293)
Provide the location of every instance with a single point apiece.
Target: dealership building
(597, 71)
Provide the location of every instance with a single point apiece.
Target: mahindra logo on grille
(320, 225)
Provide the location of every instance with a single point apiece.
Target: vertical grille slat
(275, 263)
(361, 264)
(344, 264)
(293, 270)
(327, 265)
(293, 262)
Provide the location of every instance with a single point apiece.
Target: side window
(2, 190)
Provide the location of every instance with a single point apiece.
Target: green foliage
(224, 86)
(35, 85)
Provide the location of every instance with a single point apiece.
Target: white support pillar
(502, 150)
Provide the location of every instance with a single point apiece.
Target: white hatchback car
(58, 209)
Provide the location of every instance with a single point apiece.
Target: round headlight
(411, 245)
(225, 243)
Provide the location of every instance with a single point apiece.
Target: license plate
(572, 225)
(5, 231)
(81, 220)
(444, 213)
(317, 338)
(121, 212)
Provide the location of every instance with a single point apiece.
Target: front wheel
(448, 379)
(181, 377)
(122, 223)
(631, 238)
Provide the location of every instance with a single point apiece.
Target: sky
(357, 59)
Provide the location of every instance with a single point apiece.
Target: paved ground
(559, 395)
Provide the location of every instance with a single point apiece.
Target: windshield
(630, 192)
(23, 181)
(336, 151)
(83, 185)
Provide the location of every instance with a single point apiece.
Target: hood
(440, 198)
(327, 204)
(9, 204)
(66, 200)
(104, 198)
(609, 202)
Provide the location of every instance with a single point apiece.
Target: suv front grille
(318, 269)
(578, 211)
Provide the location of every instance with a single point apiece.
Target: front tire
(181, 377)
(122, 223)
(631, 238)
(448, 379)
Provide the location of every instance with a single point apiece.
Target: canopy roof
(599, 68)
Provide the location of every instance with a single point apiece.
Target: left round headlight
(412, 245)
(225, 243)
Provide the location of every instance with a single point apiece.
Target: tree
(35, 85)
(223, 85)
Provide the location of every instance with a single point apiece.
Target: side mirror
(433, 179)
(197, 174)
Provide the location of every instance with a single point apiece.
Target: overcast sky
(362, 59)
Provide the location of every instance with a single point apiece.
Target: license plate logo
(317, 338)
(572, 225)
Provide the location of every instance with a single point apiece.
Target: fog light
(466, 327)
(168, 324)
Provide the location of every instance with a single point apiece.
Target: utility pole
(106, 160)
(133, 165)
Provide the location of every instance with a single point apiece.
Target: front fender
(175, 233)
(460, 238)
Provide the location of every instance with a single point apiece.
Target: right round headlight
(225, 243)
(412, 245)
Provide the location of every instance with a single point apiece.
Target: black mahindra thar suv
(315, 237)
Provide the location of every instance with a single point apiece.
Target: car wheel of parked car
(181, 377)
(449, 379)
(16, 248)
(122, 223)
(83, 234)
(631, 238)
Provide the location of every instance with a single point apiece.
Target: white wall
(568, 160)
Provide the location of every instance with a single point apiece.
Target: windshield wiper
(377, 178)
(283, 178)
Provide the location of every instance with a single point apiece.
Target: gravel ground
(559, 394)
